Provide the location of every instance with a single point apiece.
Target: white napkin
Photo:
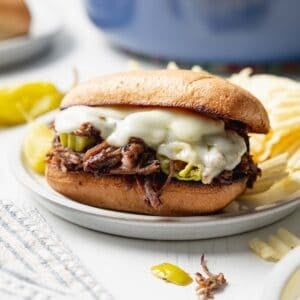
(34, 262)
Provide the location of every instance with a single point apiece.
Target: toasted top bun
(200, 92)
(14, 18)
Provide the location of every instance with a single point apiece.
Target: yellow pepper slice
(27, 101)
(189, 173)
(171, 273)
(36, 145)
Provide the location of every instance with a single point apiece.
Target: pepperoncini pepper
(171, 273)
(75, 142)
(27, 101)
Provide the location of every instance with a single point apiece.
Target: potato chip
(280, 190)
(197, 68)
(288, 238)
(274, 163)
(294, 161)
(278, 245)
(266, 183)
(287, 145)
(287, 124)
(263, 250)
(293, 148)
(172, 66)
(281, 98)
(285, 112)
(36, 145)
(133, 65)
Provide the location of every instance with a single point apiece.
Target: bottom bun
(118, 193)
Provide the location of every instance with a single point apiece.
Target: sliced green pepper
(71, 141)
(76, 143)
(64, 139)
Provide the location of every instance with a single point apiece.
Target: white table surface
(121, 264)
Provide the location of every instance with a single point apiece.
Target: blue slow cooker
(225, 31)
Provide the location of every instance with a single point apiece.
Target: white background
(122, 265)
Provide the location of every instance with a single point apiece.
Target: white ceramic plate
(282, 283)
(44, 28)
(231, 222)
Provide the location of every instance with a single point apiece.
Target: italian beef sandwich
(166, 142)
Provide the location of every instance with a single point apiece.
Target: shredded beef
(246, 168)
(102, 162)
(249, 168)
(137, 160)
(134, 158)
(151, 192)
(131, 153)
(153, 167)
(149, 185)
(170, 174)
(224, 178)
(95, 150)
(87, 129)
(64, 158)
(102, 159)
(239, 128)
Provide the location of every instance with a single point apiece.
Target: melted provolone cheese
(178, 135)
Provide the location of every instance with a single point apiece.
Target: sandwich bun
(200, 92)
(116, 193)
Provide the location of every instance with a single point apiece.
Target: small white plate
(231, 222)
(44, 28)
(282, 283)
